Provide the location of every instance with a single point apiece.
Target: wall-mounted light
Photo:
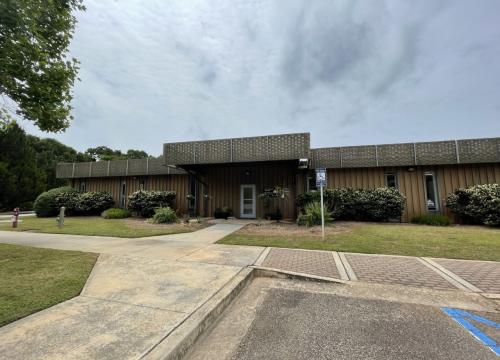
(247, 172)
(411, 169)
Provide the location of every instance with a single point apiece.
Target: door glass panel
(247, 193)
(247, 201)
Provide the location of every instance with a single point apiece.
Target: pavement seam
(444, 275)
(350, 272)
(262, 256)
(130, 304)
(340, 267)
(452, 275)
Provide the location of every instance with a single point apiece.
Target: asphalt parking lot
(285, 319)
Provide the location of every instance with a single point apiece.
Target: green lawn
(97, 226)
(457, 242)
(32, 279)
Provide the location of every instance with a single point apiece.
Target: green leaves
(35, 71)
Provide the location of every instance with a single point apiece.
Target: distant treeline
(28, 164)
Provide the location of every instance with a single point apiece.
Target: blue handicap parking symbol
(463, 318)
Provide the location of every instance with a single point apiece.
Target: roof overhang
(238, 150)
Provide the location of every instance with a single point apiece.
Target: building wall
(177, 183)
(224, 183)
(411, 183)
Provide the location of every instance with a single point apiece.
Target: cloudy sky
(349, 72)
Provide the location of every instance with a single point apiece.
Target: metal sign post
(321, 182)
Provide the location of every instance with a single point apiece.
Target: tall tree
(49, 152)
(20, 178)
(35, 71)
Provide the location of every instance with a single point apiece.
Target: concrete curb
(261, 271)
(178, 342)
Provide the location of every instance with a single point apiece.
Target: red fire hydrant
(15, 217)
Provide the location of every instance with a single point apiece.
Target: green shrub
(478, 204)
(89, 203)
(69, 200)
(380, 204)
(164, 215)
(93, 203)
(144, 203)
(115, 213)
(46, 203)
(312, 215)
(431, 219)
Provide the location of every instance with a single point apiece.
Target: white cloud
(350, 72)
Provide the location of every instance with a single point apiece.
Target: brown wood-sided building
(232, 173)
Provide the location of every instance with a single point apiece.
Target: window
(431, 195)
(391, 180)
(123, 193)
(82, 187)
(142, 183)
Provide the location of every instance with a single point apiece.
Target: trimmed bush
(46, 203)
(164, 215)
(479, 204)
(115, 213)
(380, 204)
(144, 203)
(312, 214)
(89, 203)
(431, 219)
(93, 203)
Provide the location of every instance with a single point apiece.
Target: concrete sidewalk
(139, 291)
(143, 290)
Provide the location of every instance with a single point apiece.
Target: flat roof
(290, 147)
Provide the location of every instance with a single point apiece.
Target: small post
(321, 182)
(322, 214)
(15, 217)
(60, 218)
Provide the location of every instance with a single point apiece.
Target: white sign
(320, 177)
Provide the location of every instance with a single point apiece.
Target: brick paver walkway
(443, 274)
(484, 275)
(396, 270)
(320, 263)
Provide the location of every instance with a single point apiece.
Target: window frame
(435, 188)
(396, 179)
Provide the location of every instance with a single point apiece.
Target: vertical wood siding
(411, 184)
(224, 183)
(177, 183)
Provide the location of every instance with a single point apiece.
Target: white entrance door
(247, 204)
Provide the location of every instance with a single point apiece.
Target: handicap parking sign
(320, 178)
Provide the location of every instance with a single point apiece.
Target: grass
(97, 226)
(457, 242)
(32, 279)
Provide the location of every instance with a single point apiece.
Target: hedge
(379, 204)
(144, 203)
(46, 203)
(89, 203)
(479, 204)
